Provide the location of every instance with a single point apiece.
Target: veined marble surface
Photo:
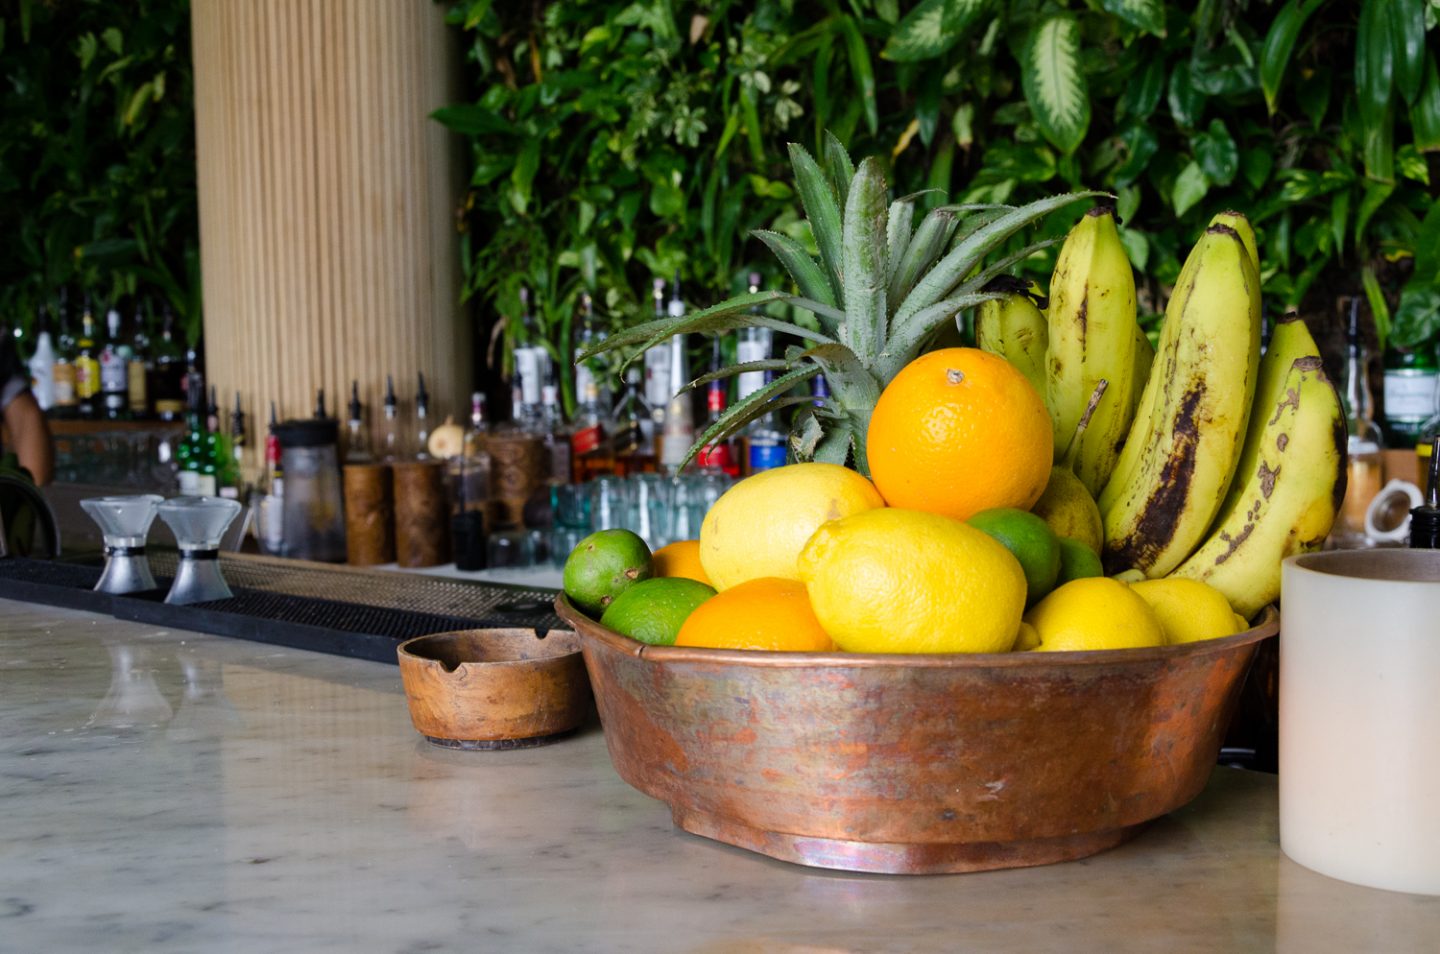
(166, 791)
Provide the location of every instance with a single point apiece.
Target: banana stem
(1074, 448)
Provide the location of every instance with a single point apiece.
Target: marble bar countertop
(167, 791)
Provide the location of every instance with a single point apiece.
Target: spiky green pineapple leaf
(851, 382)
(835, 446)
(839, 166)
(823, 212)
(809, 277)
(980, 278)
(753, 405)
(929, 244)
(649, 329)
(968, 252)
(864, 268)
(899, 225)
(730, 371)
(908, 335)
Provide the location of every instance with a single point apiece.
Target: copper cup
(422, 514)
(369, 515)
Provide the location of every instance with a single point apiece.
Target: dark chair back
(28, 527)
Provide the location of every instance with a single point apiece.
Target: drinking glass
(645, 509)
(510, 548)
(607, 503)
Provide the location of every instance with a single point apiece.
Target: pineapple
(881, 287)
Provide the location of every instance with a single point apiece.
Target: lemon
(1095, 613)
(1026, 639)
(1189, 610)
(1070, 510)
(759, 526)
(905, 581)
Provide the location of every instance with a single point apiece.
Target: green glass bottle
(195, 454)
(1412, 376)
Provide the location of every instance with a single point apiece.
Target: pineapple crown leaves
(879, 288)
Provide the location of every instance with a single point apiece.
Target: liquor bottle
(679, 432)
(196, 453)
(765, 440)
(87, 366)
(754, 345)
(1425, 519)
(1365, 464)
(471, 476)
(819, 390)
(272, 485)
(238, 438)
(137, 368)
(422, 418)
(219, 451)
(590, 337)
(166, 382)
(357, 441)
(63, 371)
(1412, 376)
(631, 451)
(1425, 443)
(114, 373)
(212, 410)
(391, 447)
(553, 432)
(722, 455)
(657, 373)
(590, 452)
(42, 362)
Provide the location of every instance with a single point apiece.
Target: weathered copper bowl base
(890, 858)
(498, 745)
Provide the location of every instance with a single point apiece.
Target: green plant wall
(618, 140)
(97, 156)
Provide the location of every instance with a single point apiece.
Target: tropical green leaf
(1374, 196)
(1148, 15)
(1425, 111)
(1280, 44)
(1407, 30)
(1417, 317)
(861, 69)
(472, 120)
(1190, 187)
(1217, 153)
(1379, 308)
(976, 244)
(931, 28)
(1374, 59)
(809, 277)
(756, 404)
(1054, 83)
(864, 253)
(818, 200)
(1427, 247)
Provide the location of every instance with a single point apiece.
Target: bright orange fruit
(959, 431)
(681, 558)
(764, 613)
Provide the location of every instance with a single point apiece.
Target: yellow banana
(1013, 327)
(1144, 359)
(1091, 338)
(1241, 225)
(1158, 509)
(1290, 482)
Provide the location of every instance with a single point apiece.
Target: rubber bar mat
(360, 629)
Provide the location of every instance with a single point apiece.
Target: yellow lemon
(760, 525)
(1026, 639)
(1189, 610)
(1094, 613)
(907, 581)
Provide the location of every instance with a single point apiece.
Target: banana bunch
(1013, 326)
(1290, 479)
(1093, 358)
(1178, 460)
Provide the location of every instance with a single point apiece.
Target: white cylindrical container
(1360, 716)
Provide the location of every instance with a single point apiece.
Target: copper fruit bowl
(916, 764)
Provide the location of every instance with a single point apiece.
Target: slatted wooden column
(327, 203)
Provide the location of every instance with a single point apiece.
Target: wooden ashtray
(495, 688)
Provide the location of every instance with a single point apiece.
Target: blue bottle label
(766, 457)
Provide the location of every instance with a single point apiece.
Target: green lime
(604, 565)
(1031, 541)
(652, 611)
(1077, 561)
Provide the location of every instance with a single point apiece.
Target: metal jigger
(125, 523)
(198, 524)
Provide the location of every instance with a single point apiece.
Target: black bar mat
(364, 630)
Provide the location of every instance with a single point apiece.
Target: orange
(681, 558)
(959, 431)
(763, 613)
